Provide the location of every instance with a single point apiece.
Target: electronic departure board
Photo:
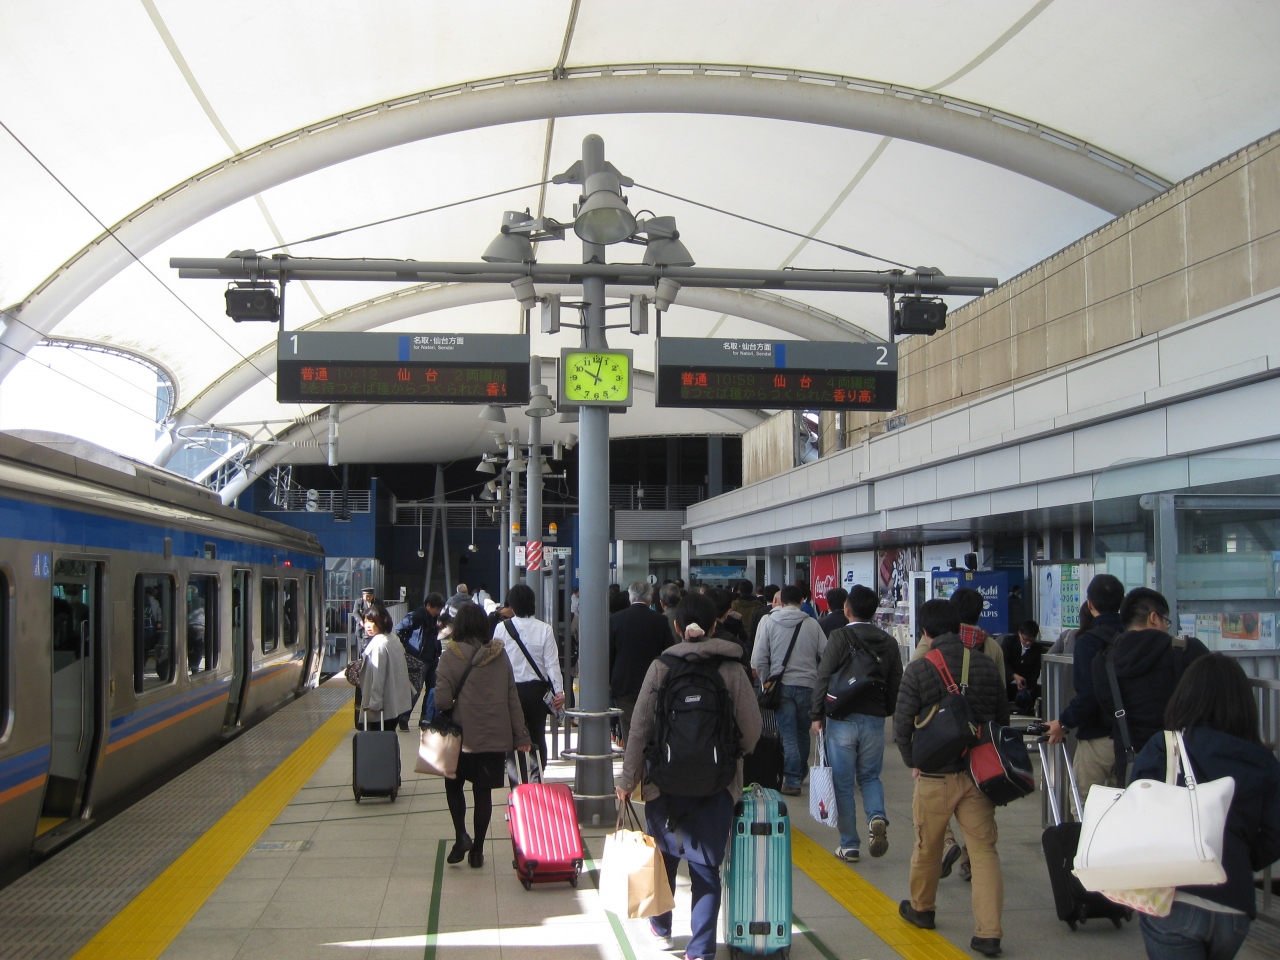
(790, 375)
(402, 368)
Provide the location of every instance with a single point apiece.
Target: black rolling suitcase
(375, 762)
(1073, 902)
(763, 765)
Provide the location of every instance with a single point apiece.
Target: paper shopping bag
(633, 876)
(439, 747)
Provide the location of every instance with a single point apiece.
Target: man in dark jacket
(835, 617)
(420, 639)
(1022, 665)
(637, 637)
(1148, 664)
(855, 741)
(1094, 759)
(948, 789)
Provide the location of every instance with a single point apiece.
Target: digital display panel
(322, 367)
(796, 375)
(373, 382)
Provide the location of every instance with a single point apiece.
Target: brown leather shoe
(987, 946)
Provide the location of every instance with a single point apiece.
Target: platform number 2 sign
(40, 565)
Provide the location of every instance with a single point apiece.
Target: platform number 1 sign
(40, 565)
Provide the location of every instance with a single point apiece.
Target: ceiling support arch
(1017, 144)
(790, 316)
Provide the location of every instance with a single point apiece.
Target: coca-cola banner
(824, 575)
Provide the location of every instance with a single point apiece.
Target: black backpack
(695, 746)
(859, 683)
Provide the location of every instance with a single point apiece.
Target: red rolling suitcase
(544, 834)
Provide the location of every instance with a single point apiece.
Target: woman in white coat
(385, 691)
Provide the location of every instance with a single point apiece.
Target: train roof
(97, 466)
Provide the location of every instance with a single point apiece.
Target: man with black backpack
(856, 688)
(943, 699)
(695, 717)
(1135, 676)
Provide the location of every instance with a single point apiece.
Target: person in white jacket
(385, 691)
(536, 667)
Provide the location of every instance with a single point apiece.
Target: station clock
(596, 378)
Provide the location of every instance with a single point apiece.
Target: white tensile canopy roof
(975, 137)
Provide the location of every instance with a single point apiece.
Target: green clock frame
(584, 373)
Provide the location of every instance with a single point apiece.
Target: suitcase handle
(364, 719)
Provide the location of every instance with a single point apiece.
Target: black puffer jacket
(1148, 667)
(922, 687)
(838, 652)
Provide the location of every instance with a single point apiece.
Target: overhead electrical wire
(106, 229)
(405, 216)
(774, 226)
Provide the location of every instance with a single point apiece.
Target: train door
(76, 702)
(241, 650)
(315, 651)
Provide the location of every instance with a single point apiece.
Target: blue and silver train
(140, 620)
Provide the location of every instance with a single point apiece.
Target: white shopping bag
(822, 788)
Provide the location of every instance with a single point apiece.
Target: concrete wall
(1210, 241)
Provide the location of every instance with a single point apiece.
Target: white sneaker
(847, 854)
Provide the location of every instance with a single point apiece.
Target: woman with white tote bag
(1214, 708)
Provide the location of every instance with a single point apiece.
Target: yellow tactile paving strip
(869, 906)
(143, 929)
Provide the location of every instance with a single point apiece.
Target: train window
(203, 637)
(290, 613)
(153, 631)
(270, 615)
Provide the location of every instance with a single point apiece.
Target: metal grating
(649, 525)
(54, 910)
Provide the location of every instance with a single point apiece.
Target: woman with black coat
(1215, 709)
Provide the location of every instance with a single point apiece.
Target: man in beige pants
(943, 787)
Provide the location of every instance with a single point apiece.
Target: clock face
(597, 377)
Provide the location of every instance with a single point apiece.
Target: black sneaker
(921, 918)
(987, 946)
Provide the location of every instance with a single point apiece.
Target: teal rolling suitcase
(758, 903)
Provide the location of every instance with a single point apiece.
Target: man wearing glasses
(1135, 678)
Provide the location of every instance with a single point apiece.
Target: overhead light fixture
(568, 416)
(666, 294)
(603, 217)
(540, 404)
(493, 413)
(518, 465)
(922, 315)
(571, 441)
(508, 246)
(487, 494)
(663, 247)
(485, 466)
(492, 486)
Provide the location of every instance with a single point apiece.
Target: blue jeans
(1193, 933)
(705, 884)
(793, 727)
(855, 750)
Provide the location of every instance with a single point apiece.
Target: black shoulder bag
(533, 693)
(770, 695)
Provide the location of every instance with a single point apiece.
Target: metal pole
(533, 483)
(431, 550)
(439, 508)
(594, 769)
(513, 478)
(504, 539)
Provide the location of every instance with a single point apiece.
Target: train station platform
(260, 851)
